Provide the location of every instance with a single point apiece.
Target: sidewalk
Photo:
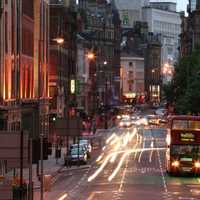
(50, 168)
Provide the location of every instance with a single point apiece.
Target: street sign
(10, 148)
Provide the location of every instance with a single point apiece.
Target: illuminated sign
(130, 95)
(72, 86)
(187, 137)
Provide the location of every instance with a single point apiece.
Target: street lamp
(59, 40)
(91, 56)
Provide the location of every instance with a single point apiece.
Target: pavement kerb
(54, 174)
(61, 170)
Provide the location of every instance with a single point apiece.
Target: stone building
(99, 34)
(190, 32)
(153, 81)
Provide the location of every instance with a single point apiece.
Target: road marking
(92, 195)
(64, 196)
(186, 198)
(123, 176)
(151, 153)
(162, 174)
(141, 151)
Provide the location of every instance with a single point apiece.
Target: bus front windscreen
(186, 151)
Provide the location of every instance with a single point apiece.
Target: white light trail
(100, 157)
(141, 151)
(151, 153)
(64, 196)
(114, 141)
(99, 170)
(118, 166)
(104, 148)
(110, 138)
(112, 160)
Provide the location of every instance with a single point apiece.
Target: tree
(168, 90)
(187, 84)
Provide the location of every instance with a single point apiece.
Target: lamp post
(105, 97)
(60, 41)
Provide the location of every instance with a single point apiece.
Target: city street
(130, 166)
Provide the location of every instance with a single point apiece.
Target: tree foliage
(184, 91)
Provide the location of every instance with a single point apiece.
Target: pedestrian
(67, 159)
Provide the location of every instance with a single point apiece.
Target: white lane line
(123, 176)
(162, 173)
(143, 145)
(151, 153)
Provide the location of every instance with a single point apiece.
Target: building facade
(132, 76)
(99, 34)
(130, 11)
(24, 63)
(190, 32)
(63, 67)
(153, 81)
(166, 22)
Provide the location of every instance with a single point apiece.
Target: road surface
(130, 166)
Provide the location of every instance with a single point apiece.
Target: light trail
(151, 153)
(64, 196)
(112, 160)
(120, 163)
(125, 139)
(114, 141)
(117, 146)
(118, 166)
(143, 145)
(110, 138)
(99, 170)
(126, 152)
(134, 133)
(100, 157)
(104, 148)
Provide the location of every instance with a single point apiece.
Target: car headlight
(118, 117)
(175, 163)
(197, 164)
(121, 123)
(128, 123)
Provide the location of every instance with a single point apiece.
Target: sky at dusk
(182, 4)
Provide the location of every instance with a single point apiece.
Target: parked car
(76, 155)
(87, 144)
(81, 146)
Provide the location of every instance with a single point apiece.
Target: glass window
(192, 151)
(186, 125)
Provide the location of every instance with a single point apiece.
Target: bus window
(185, 125)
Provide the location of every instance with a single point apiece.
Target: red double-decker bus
(183, 140)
